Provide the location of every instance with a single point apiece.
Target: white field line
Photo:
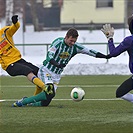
(110, 99)
(60, 86)
(63, 86)
(2, 100)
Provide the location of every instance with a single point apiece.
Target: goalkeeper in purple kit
(123, 91)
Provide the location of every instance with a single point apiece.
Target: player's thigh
(45, 75)
(33, 67)
(56, 79)
(17, 69)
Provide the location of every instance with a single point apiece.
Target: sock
(128, 97)
(37, 90)
(36, 104)
(38, 82)
(36, 98)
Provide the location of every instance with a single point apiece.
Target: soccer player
(10, 57)
(126, 45)
(59, 54)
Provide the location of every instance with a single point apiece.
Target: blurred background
(62, 14)
(44, 20)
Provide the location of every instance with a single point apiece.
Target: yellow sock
(37, 90)
(38, 82)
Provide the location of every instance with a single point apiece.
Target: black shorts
(21, 67)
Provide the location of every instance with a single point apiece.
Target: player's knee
(51, 87)
(118, 94)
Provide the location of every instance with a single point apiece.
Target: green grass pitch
(99, 112)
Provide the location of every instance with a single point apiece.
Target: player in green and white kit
(59, 54)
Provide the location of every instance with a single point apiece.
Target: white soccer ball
(77, 94)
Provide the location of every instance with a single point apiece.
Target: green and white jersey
(62, 53)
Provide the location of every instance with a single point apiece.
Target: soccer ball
(77, 94)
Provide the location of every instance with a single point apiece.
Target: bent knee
(119, 94)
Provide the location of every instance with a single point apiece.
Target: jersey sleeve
(52, 49)
(82, 49)
(13, 28)
(123, 46)
(51, 52)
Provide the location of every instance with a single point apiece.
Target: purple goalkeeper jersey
(125, 45)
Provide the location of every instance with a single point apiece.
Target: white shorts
(49, 77)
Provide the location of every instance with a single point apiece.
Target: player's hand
(14, 19)
(108, 31)
(61, 66)
(108, 56)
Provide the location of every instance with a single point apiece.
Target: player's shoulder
(128, 39)
(78, 44)
(58, 40)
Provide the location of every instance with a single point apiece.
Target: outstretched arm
(14, 27)
(100, 55)
(108, 31)
(97, 54)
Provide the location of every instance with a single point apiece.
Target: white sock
(128, 97)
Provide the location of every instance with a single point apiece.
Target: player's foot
(18, 103)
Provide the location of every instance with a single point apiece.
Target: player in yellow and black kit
(11, 60)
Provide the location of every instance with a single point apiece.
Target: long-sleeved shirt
(62, 54)
(8, 52)
(125, 45)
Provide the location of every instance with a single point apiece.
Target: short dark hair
(72, 32)
(130, 23)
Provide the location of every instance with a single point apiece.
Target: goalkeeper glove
(14, 19)
(108, 56)
(100, 55)
(108, 31)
